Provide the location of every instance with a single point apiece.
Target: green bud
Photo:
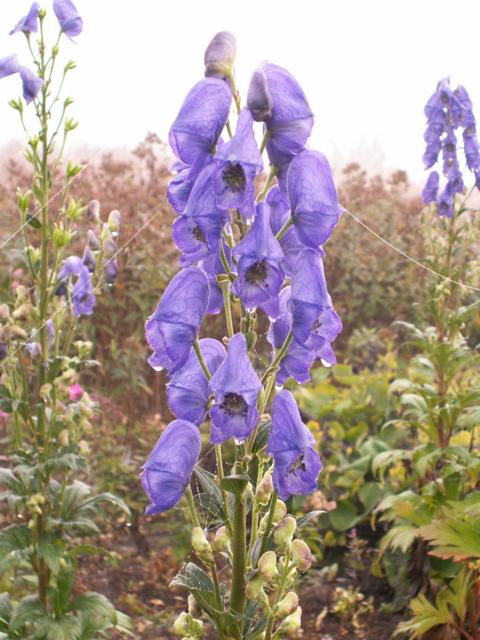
(254, 588)
(114, 220)
(23, 201)
(221, 541)
(200, 543)
(70, 65)
(73, 170)
(84, 349)
(264, 490)
(283, 534)
(301, 554)
(84, 447)
(21, 293)
(61, 237)
(293, 622)
(22, 312)
(64, 438)
(42, 13)
(181, 626)
(17, 105)
(74, 209)
(287, 605)
(267, 566)
(280, 511)
(4, 313)
(45, 391)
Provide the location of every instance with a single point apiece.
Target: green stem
(284, 229)
(239, 559)
(268, 527)
(221, 475)
(270, 178)
(278, 596)
(201, 360)
(263, 145)
(225, 286)
(278, 357)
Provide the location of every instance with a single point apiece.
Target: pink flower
(75, 392)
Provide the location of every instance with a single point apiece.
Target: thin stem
(270, 178)
(225, 286)
(278, 357)
(191, 507)
(239, 558)
(284, 229)
(268, 527)
(263, 145)
(201, 360)
(221, 475)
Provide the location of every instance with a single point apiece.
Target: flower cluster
(449, 111)
(263, 252)
(70, 23)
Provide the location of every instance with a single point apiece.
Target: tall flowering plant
(57, 277)
(245, 255)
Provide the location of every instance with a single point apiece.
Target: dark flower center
(256, 273)
(233, 404)
(197, 233)
(297, 464)
(83, 297)
(450, 147)
(235, 177)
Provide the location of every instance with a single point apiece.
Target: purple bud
(31, 84)
(259, 100)
(429, 194)
(68, 17)
(220, 55)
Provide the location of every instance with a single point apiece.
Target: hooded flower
(68, 17)
(239, 161)
(220, 55)
(309, 297)
(174, 325)
(297, 361)
(29, 23)
(292, 447)
(167, 472)
(188, 390)
(30, 82)
(83, 297)
(313, 198)
(259, 257)
(236, 387)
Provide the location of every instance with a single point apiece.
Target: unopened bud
(264, 490)
(221, 541)
(301, 554)
(287, 605)
(267, 566)
(63, 438)
(220, 55)
(200, 542)
(93, 211)
(114, 220)
(18, 332)
(283, 534)
(84, 447)
(293, 622)
(280, 511)
(193, 608)
(45, 390)
(181, 626)
(254, 588)
(4, 312)
(21, 313)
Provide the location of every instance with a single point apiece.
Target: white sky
(367, 67)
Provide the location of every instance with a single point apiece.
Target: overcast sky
(367, 66)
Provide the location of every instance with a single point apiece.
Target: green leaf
(345, 516)
(193, 578)
(208, 483)
(261, 438)
(33, 221)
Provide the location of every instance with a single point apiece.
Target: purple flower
(83, 296)
(174, 325)
(279, 216)
(313, 198)
(297, 361)
(200, 121)
(9, 66)
(68, 17)
(29, 23)
(169, 467)
(289, 120)
(429, 193)
(188, 390)
(259, 257)
(236, 387)
(445, 203)
(220, 55)
(292, 447)
(472, 152)
(325, 329)
(309, 297)
(239, 161)
(30, 82)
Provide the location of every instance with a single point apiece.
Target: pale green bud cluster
(188, 627)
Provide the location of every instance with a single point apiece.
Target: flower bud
(267, 566)
(21, 313)
(181, 626)
(88, 259)
(93, 211)
(259, 100)
(254, 588)
(61, 237)
(287, 605)
(264, 490)
(114, 220)
(301, 554)
(21, 292)
(63, 438)
(283, 534)
(280, 511)
(4, 312)
(221, 541)
(18, 332)
(193, 608)
(92, 240)
(220, 55)
(45, 390)
(34, 349)
(84, 447)
(293, 622)
(200, 543)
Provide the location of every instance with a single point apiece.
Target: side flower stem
(268, 528)
(279, 235)
(278, 357)
(201, 360)
(227, 306)
(268, 183)
(221, 475)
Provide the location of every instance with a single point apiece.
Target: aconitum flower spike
(239, 161)
(169, 467)
(309, 295)
(188, 390)
(29, 23)
(236, 387)
(259, 257)
(220, 55)
(313, 198)
(292, 447)
(429, 193)
(68, 17)
(175, 323)
(31, 84)
(201, 119)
